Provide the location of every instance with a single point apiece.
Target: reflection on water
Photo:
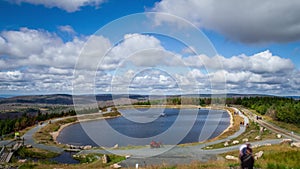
(141, 126)
(65, 158)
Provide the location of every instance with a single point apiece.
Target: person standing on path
(246, 157)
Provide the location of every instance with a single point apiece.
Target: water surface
(141, 126)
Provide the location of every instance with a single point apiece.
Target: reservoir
(141, 126)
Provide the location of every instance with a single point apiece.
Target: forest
(8, 126)
(279, 108)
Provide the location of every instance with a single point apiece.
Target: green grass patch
(44, 136)
(35, 153)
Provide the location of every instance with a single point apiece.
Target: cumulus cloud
(263, 62)
(40, 61)
(251, 21)
(67, 29)
(67, 5)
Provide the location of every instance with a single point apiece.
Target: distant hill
(66, 99)
(40, 99)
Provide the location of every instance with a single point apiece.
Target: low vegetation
(44, 136)
(24, 152)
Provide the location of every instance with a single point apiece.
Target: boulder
(296, 144)
(116, 146)
(278, 135)
(256, 146)
(226, 144)
(235, 142)
(258, 155)
(230, 157)
(22, 160)
(105, 159)
(245, 140)
(28, 146)
(87, 147)
(116, 166)
(257, 138)
(127, 156)
(288, 141)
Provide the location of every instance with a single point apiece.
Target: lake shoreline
(82, 119)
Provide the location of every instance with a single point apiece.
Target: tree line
(8, 126)
(279, 108)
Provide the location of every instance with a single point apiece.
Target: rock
(127, 156)
(88, 147)
(28, 146)
(278, 135)
(235, 142)
(268, 144)
(116, 146)
(226, 144)
(258, 155)
(22, 160)
(261, 129)
(105, 159)
(230, 157)
(288, 141)
(245, 140)
(115, 166)
(296, 144)
(256, 146)
(257, 138)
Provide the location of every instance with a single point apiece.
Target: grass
(251, 132)
(281, 156)
(44, 136)
(90, 161)
(35, 153)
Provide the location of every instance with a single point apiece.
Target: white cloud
(139, 63)
(251, 21)
(26, 42)
(67, 5)
(263, 62)
(67, 29)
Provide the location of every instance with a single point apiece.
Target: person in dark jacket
(246, 157)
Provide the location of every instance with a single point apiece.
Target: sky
(149, 47)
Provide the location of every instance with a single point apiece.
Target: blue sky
(257, 47)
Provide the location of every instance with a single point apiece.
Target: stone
(28, 146)
(278, 135)
(245, 140)
(230, 157)
(104, 159)
(116, 146)
(226, 144)
(261, 129)
(256, 146)
(257, 138)
(258, 155)
(268, 144)
(116, 166)
(288, 141)
(87, 147)
(296, 144)
(235, 142)
(127, 156)
(22, 160)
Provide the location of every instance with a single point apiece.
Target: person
(246, 157)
